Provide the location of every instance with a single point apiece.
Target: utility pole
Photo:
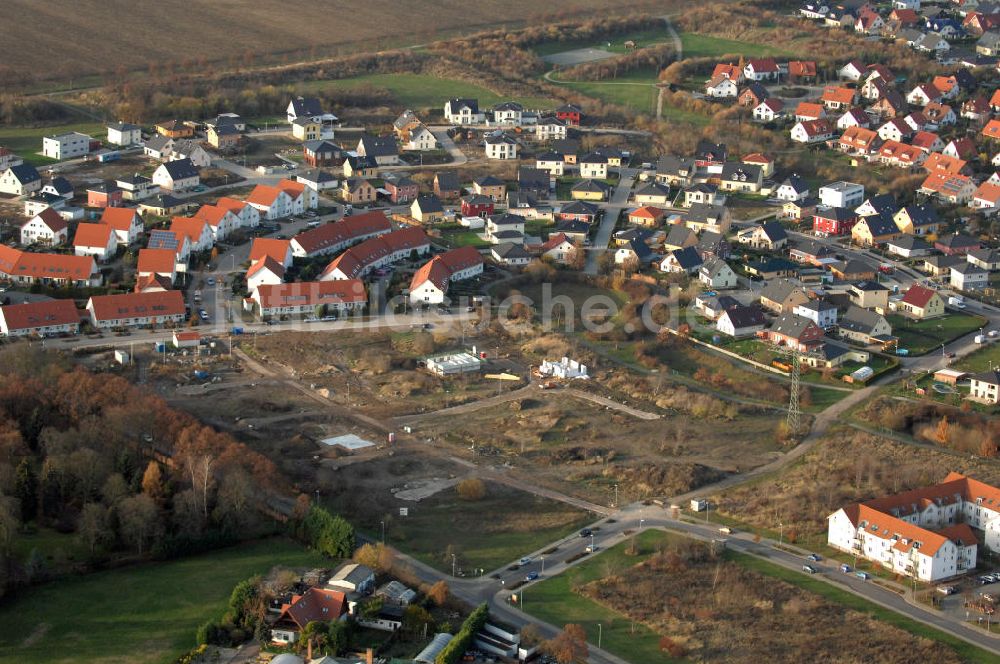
(600, 633)
(453, 564)
(794, 411)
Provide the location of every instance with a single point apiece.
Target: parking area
(971, 599)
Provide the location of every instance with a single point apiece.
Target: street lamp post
(383, 531)
(543, 564)
(641, 521)
(781, 533)
(600, 633)
(453, 564)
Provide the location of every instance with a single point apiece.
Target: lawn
(642, 38)
(700, 46)
(922, 336)
(464, 238)
(420, 91)
(554, 601)
(435, 527)
(984, 359)
(27, 141)
(813, 584)
(148, 613)
(640, 97)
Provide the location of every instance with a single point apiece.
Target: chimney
(369, 656)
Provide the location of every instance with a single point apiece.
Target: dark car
(586, 532)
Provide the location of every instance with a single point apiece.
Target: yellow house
(920, 303)
(357, 190)
(874, 230)
(306, 129)
(590, 190)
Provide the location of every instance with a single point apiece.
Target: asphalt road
(613, 208)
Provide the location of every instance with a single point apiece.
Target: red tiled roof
(51, 218)
(327, 235)
(838, 95)
(161, 261)
(992, 129)
(152, 283)
(801, 68)
(924, 139)
(942, 163)
(269, 247)
(137, 305)
(189, 226)
(316, 605)
(54, 266)
(918, 296)
(212, 214)
(649, 212)
(118, 218)
(308, 293)
(988, 192)
(808, 109)
(264, 195)
(858, 137)
(354, 261)
(44, 313)
(93, 235)
(439, 269)
(269, 263)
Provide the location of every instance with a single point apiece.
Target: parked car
(531, 576)
(864, 576)
(592, 548)
(524, 561)
(809, 569)
(814, 557)
(845, 568)
(947, 590)
(586, 532)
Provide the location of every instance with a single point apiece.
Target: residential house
(463, 112)
(176, 242)
(383, 149)
(446, 185)
(419, 139)
(837, 98)
(175, 129)
(793, 188)
(769, 110)
(45, 228)
(794, 332)
(104, 194)
(157, 262)
(648, 216)
(317, 179)
(590, 190)
(126, 224)
(742, 178)
(319, 605)
(917, 220)
(510, 254)
(97, 240)
(377, 252)
(721, 87)
(858, 141)
(570, 114)
(854, 117)
(197, 231)
(851, 270)
(427, 208)
(820, 312)
(652, 193)
(549, 129)
(505, 228)
(579, 211)
(42, 318)
(808, 110)
(770, 236)
(558, 247)
(741, 321)
(921, 303)
(842, 194)
(179, 175)
(680, 236)
(782, 296)
(551, 162)
(224, 137)
(136, 309)
(357, 191)
(869, 295)
(593, 165)
(124, 134)
(66, 146)
(430, 283)
(681, 261)
(136, 187)
(761, 69)
(500, 145)
(705, 217)
(864, 326)
(401, 188)
(319, 152)
(908, 246)
(954, 189)
(20, 180)
(477, 206)
(968, 277)
(715, 273)
(812, 131)
(330, 238)
(833, 221)
(986, 198)
(491, 186)
(874, 230)
(358, 166)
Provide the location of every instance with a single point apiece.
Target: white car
(524, 561)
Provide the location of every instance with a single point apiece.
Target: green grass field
(642, 38)
(420, 91)
(554, 601)
(700, 46)
(923, 336)
(813, 584)
(147, 614)
(26, 141)
(435, 527)
(983, 359)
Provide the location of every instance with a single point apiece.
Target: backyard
(419, 91)
(148, 613)
(27, 141)
(922, 336)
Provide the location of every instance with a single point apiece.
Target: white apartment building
(925, 533)
(66, 146)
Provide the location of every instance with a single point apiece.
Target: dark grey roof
(447, 181)
(909, 242)
(922, 215)
(488, 181)
(429, 203)
(307, 106)
(510, 250)
(549, 156)
(796, 183)
(791, 325)
(315, 175)
(880, 224)
(579, 207)
(778, 290)
(883, 203)
(181, 169)
(506, 219)
(528, 176)
(741, 317)
(321, 145)
(861, 320)
(852, 266)
(593, 158)
(123, 126)
(508, 106)
(158, 143)
(566, 146)
(870, 286)
(678, 235)
(968, 268)
(62, 185)
(712, 151)
(774, 231)
(591, 185)
(359, 162)
(957, 240)
(25, 173)
(471, 104)
(653, 189)
(687, 258)
(673, 165)
(703, 212)
(573, 226)
(379, 146)
(835, 213)
(737, 172)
